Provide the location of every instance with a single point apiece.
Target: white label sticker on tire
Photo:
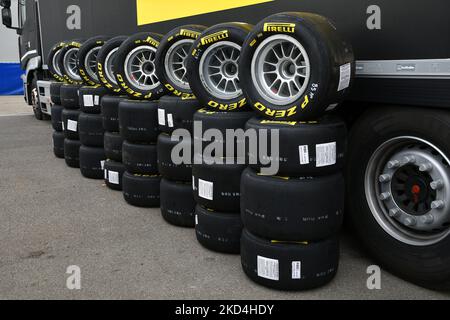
(170, 120)
(304, 154)
(102, 164)
(196, 219)
(268, 268)
(296, 269)
(72, 125)
(325, 154)
(96, 100)
(205, 189)
(88, 100)
(193, 183)
(344, 79)
(113, 177)
(105, 174)
(161, 117)
(62, 124)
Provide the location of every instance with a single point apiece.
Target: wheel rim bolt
(394, 212)
(409, 159)
(393, 164)
(409, 222)
(438, 204)
(426, 167)
(437, 185)
(385, 178)
(427, 219)
(385, 196)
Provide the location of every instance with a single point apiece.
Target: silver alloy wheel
(219, 68)
(70, 62)
(109, 66)
(140, 68)
(55, 63)
(90, 63)
(407, 186)
(175, 63)
(280, 69)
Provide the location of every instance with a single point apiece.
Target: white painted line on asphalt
(16, 115)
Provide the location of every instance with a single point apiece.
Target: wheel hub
(175, 63)
(109, 66)
(90, 63)
(140, 68)
(70, 61)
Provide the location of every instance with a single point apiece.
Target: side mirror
(6, 17)
(5, 3)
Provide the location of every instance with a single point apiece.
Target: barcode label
(344, 79)
(296, 269)
(325, 154)
(205, 189)
(72, 125)
(113, 177)
(88, 100)
(170, 120)
(161, 117)
(268, 268)
(304, 154)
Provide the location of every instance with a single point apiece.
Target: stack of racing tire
(296, 67)
(57, 124)
(213, 77)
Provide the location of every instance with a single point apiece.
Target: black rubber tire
(105, 54)
(70, 123)
(90, 44)
(149, 39)
(141, 191)
(140, 158)
(74, 44)
(221, 121)
(69, 96)
(182, 33)
(55, 92)
(113, 173)
(177, 203)
(327, 53)
(110, 112)
(90, 98)
(51, 66)
(56, 111)
(166, 167)
(58, 144)
(217, 186)
(305, 148)
(91, 162)
(113, 146)
(305, 209)
(237, 32)
(311, 265)
(90, 129)
(139, 121)
(72, 153)
(176, 113)
(427, 265)
(217, 231)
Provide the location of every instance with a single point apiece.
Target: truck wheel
(105, 63)
(398, 182)
(171, 58)
(213, 66)
(68, 62)
(135, 68)
(87, 59)
(295, 65)
(38, 114)
(53, 61)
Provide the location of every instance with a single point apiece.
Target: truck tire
(70, 123)
(141, 191)
(92, 161)
(55, 92)
(56, 111)
(166, 167)
(217, 231)
(90, 98)
(110, 112)
(217, 186)
(140, 158)
(106, 63)
(113, 173)
(53, 62)
(72, 153)
(135, 66)
(58, 144)
(69, 96)
(219, 90)
(176, 113)
(177, 203)
(171, 58)
(68, 62)
(90, 130)
(296, 66)
(138, 121)
(308, 148)
(113, 146)
(289, 266)
(398, 191)
(299, 212)
(87, 59)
